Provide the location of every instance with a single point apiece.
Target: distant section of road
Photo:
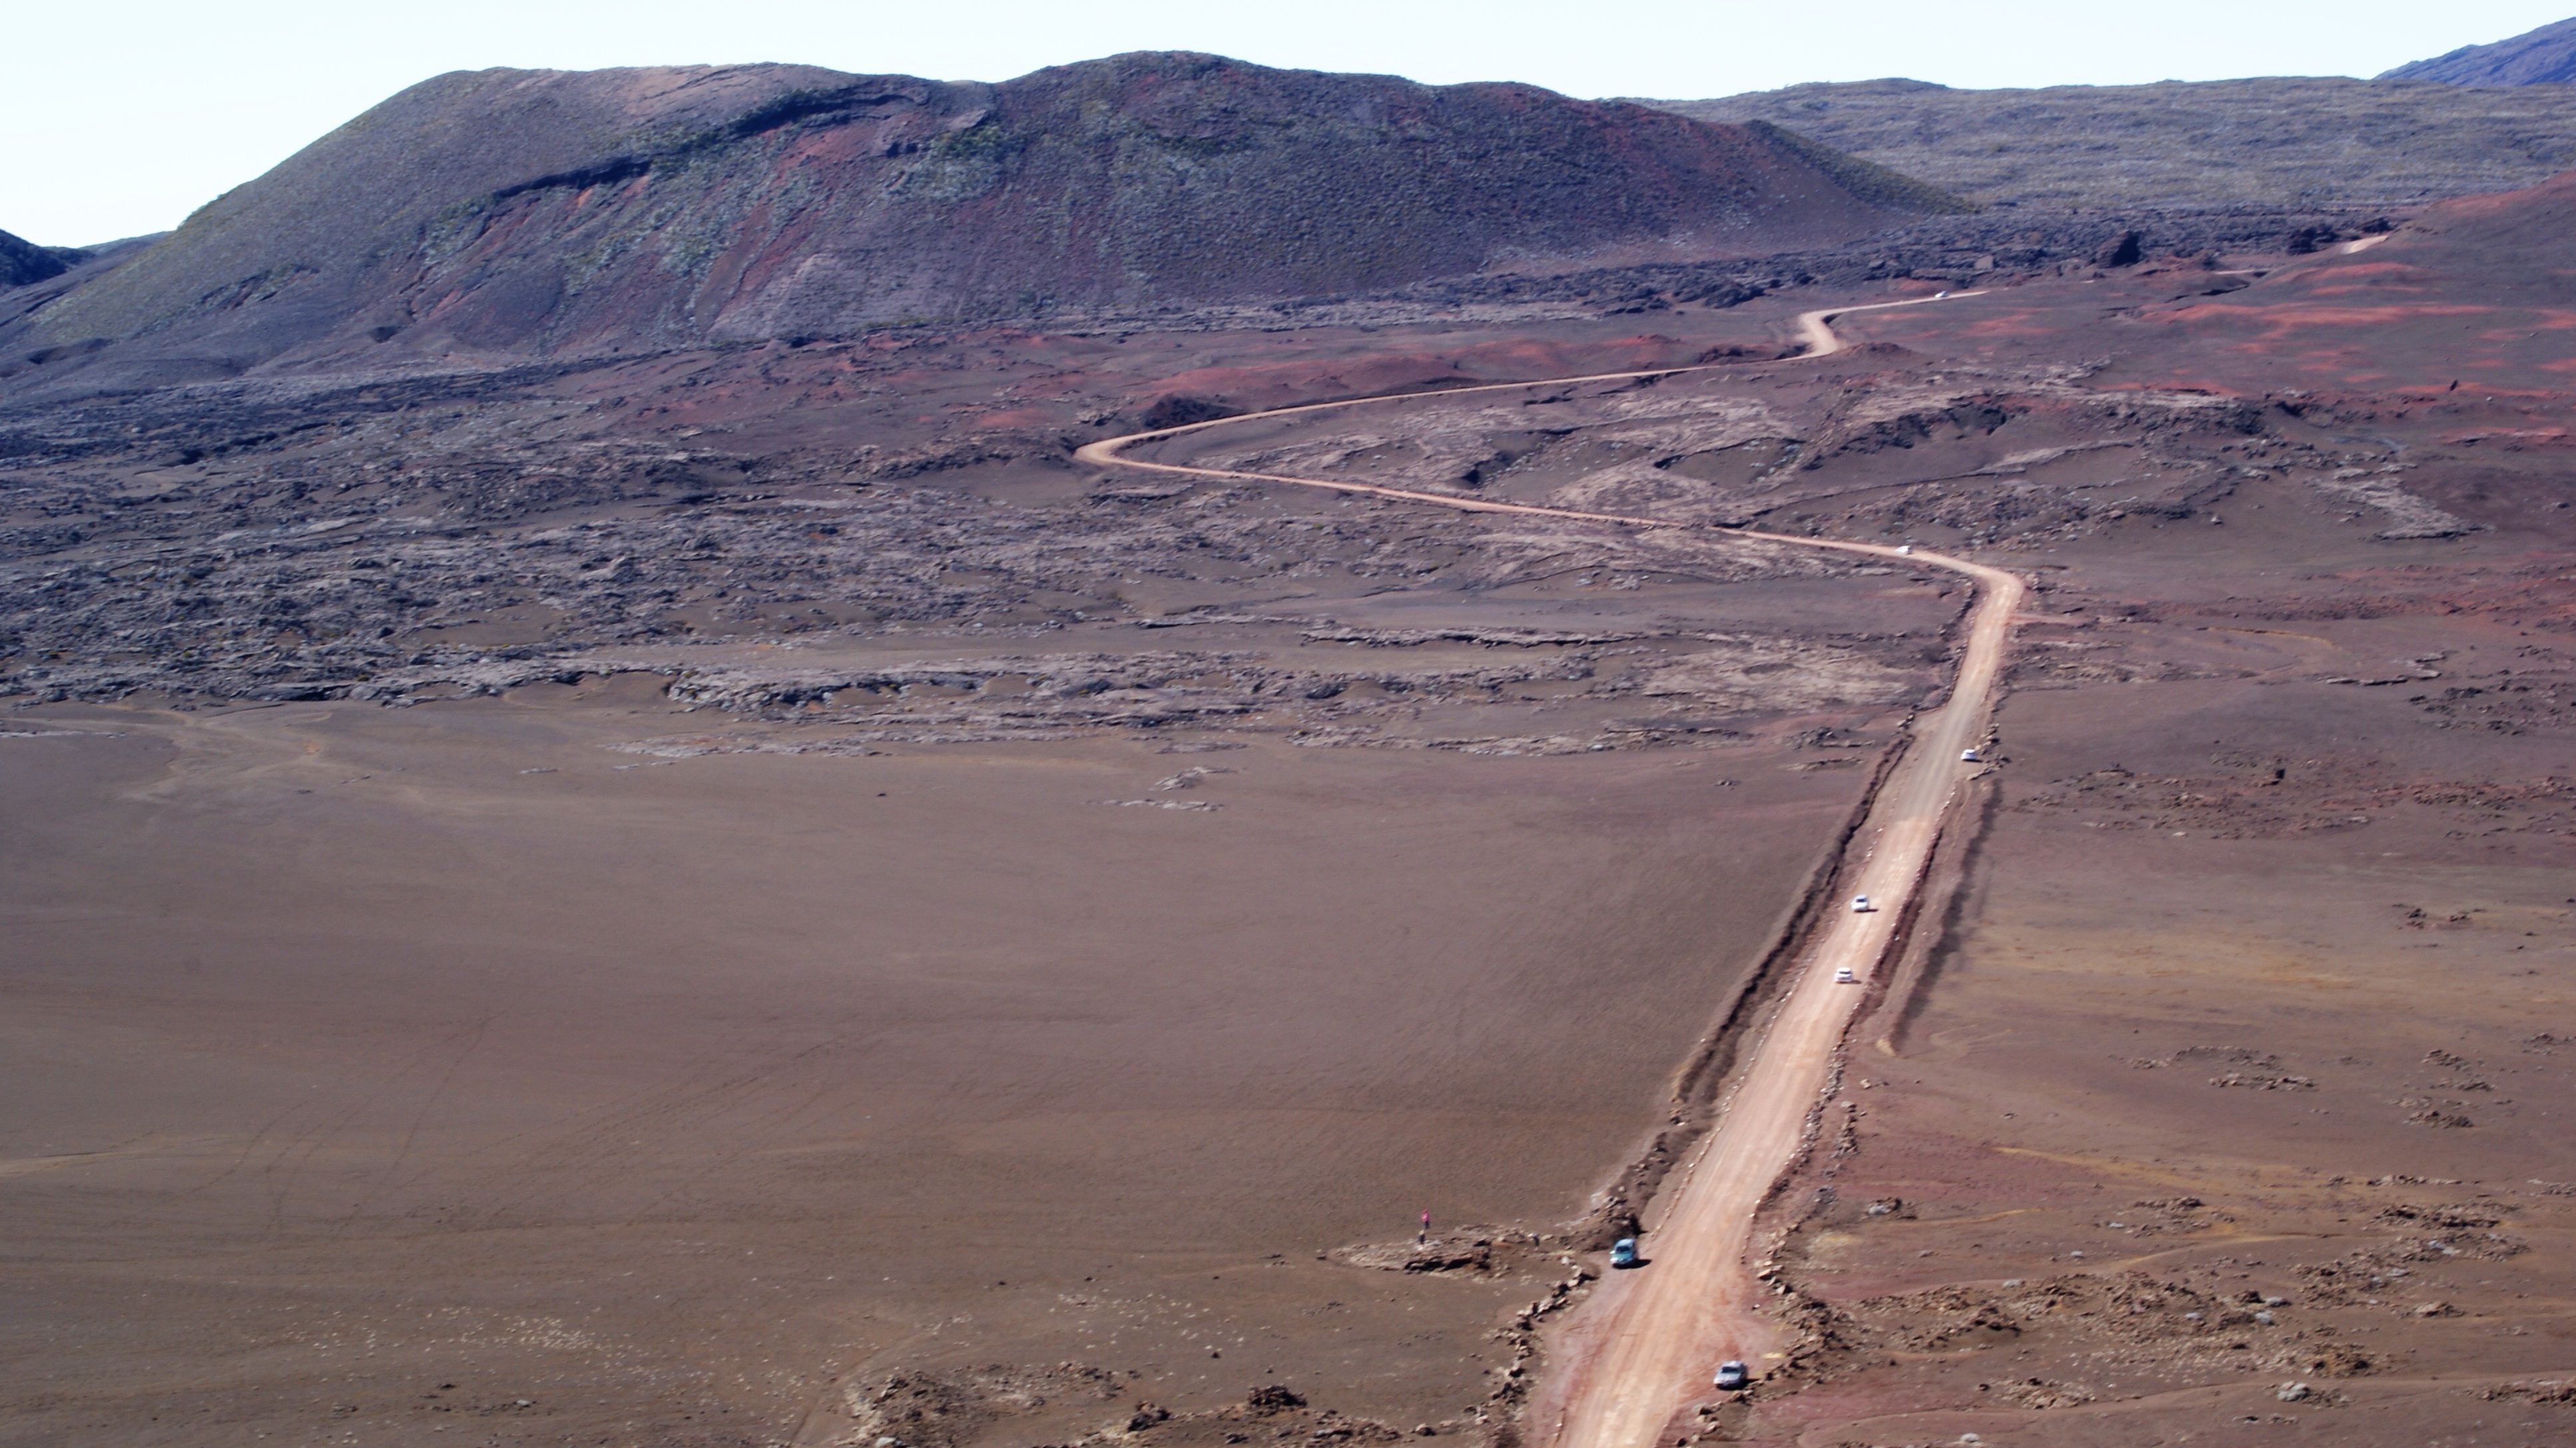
(1816, 328)
(1647, 1344)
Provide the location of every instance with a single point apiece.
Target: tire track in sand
(1643, 1349)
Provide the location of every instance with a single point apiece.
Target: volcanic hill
(2546, 56)
(22, 261)
(508, 211)
(2395, 142)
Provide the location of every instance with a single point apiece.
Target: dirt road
(1648, 1343)
(1646, 1346)
(1816, 328)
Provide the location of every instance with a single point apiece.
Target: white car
(1967, 756)
(1732, 1375)
(1843, 976)
(1861, 905)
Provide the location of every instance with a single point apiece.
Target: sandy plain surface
(365, 1051)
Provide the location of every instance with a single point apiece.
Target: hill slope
(2546, 56)
(2511, 249)
(2325, 141)
(530, 210)
(22, 261)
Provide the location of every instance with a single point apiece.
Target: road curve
(1817, 331)
(1644, 1348)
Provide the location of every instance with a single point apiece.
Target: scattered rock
(1183, 409)
(1273, 1398)
(2121, 250)
(2308, 239)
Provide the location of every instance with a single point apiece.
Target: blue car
(1623, 1253)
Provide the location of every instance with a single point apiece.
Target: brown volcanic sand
(357, 1053)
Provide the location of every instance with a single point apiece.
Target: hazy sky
(131, 115)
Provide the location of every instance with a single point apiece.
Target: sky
(132, 115)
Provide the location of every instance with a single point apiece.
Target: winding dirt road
(1645, 1347)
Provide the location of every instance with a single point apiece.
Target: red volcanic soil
(2478, 291)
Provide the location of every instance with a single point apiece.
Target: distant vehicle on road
(1861, 905)
(1623, 1253)
(1732, 1375)
(1967, 756)
(1905, 550)
(1843, 976)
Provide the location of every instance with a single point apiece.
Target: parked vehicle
(1732, 1375)
(1623, 1253)
(1843, 976)
(1861, 905)
(1967, 756)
